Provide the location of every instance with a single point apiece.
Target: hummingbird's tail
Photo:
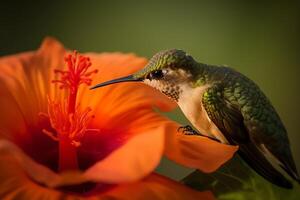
(289, 166)
(257, 161)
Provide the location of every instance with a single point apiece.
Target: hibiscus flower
(59, 140)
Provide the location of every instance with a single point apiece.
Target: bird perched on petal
(61, 141)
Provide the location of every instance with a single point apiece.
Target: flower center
(66, 117)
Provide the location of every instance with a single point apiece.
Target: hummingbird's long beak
(129, 78)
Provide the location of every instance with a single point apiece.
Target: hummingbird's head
(166, 71)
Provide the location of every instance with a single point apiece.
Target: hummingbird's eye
(157, 74)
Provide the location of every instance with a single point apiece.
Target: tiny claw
(185, 129)
(179, 128)
(188, 130)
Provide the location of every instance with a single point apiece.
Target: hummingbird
(224, 105)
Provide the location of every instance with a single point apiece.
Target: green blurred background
(258, 38)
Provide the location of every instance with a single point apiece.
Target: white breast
(190, 102)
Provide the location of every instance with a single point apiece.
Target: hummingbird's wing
(229, 119)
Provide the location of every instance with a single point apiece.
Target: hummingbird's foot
(188, 130)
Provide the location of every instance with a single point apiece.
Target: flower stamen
(66, 117)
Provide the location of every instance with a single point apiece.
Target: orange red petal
(25, 83)
(15, 184)
(196, 151)
(132, 161)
